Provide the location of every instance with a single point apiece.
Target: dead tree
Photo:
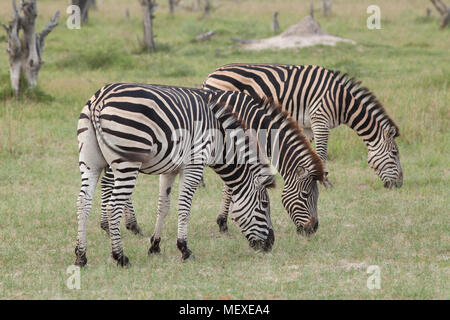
(326, 7)
(25, 55)
(205, 36)
(275, 23)
(148, 7)
(84, 8)
(207, 8)
(443, 10)
(172, 5)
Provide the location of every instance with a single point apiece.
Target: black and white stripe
(290, 153)
(320, 100)
(130, 128)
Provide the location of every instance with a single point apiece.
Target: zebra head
(384, 158)
(248, 179)
(299, 197)
(251, 210)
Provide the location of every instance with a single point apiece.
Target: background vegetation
(405, 231)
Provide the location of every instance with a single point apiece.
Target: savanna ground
(403, 231)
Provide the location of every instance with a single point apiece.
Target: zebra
(290, 153)
(130, 129)
(321, 99)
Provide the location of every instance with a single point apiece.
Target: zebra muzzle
(263, 245)
(308, 228)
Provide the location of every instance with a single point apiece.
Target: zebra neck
(284, 146)
(287, 152)
(367, 118)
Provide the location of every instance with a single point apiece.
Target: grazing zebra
(290, 153)
(163, 130)
(320, 100)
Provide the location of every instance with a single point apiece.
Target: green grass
(404, 231)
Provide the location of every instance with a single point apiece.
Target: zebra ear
(267, 181)
(301, 172)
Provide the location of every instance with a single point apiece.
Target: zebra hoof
(187, 255)
(222, 222)
(185, 252)
(105, 227)
(122, 260)
(81, 259)
(154, 248)
(135, 229)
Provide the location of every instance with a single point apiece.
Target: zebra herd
(246, 122)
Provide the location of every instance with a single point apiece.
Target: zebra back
(320, 99)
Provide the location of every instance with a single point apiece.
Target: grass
(405, 232)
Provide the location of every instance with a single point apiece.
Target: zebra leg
(130, 219)
(107, 184)
(202, 183)
(189, 180)
(321, 132)
(89, 179)
(165, 187)
(222, 217)
(124, 182)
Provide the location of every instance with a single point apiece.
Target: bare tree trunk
(445, 19)
(326, 7)
(26, 55)
(148, 7)
(172, 6)
(275, 23)
(205, 36)
(84, 9)
(14, 49)
(207, 8)
(30, 59)
(443, 10)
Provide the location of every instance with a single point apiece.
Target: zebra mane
(360, 93)
(230, 120)
(275, 111)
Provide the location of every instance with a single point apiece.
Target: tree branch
(205, 36)
(442, 10)
(48, 28)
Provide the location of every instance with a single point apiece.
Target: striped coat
(320, 100)
(152, 129)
